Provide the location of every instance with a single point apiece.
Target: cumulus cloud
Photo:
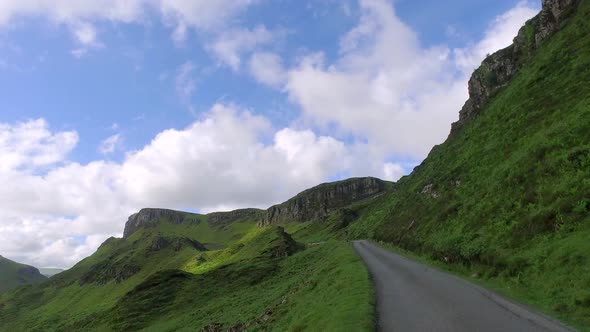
(267, 68)
(388, 90)
(31, 144)
(230, 45)
(78, 16)
(393, 172)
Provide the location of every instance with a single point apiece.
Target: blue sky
(107, 106)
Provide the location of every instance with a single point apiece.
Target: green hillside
(186, 273)
(507, 197)
(13, 274)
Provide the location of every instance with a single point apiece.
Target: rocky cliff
(316, 203)
(147, 218)
(498, 69)
(221, 219)
(310, 205)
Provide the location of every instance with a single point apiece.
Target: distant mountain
(13, 274)
(50, 271)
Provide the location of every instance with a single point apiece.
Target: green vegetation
(13, 274)
(505, 201)
(261, 278)
(507, 197)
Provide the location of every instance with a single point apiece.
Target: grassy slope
(12, 276)
(520, 216)
(249, 281)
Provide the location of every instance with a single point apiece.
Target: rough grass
(513, 186)
(261, 278)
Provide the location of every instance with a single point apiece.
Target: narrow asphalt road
(415, 297)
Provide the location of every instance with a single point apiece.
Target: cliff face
(316, 203)
(220, 219)
(498, 69)
(147, 218)
(310, 205)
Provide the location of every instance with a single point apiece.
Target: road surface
(415, 297)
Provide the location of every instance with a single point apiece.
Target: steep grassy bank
(508, 196)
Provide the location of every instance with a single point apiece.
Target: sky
(109, 106)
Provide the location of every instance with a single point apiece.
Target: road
(415, 297)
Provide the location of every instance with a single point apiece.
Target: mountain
(221, 271)
(505, 200)
(13, 274)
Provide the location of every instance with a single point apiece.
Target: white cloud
(220, 159)
(230, 45)
(78, 16)
(267, 68)
(67, 11)
(85, 34)
(386, 88)
(110, 144)
(202, 14)
(30, 144)
(393, 172)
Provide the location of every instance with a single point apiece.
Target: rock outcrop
(498, 69)
(310, 205)
(221, 219)
(316, 203)
(283, 246)
(147, 218)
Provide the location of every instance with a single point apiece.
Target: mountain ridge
(315, 204)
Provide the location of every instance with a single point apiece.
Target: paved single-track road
(415, 297)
